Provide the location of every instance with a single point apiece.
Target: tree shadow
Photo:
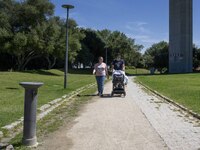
(87, 71)
(129, 74)
(41, 72)
(12, 88)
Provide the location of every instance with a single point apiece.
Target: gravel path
(179, 130)
(137, 122)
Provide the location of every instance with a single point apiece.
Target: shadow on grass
(71, 71)
(12, 88)
(129, 74)
(41, 72)
(81, 71)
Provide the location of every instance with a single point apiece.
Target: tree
(157, 55)
(97, 42)
(105, 36)
(29, 30)
(75, 37)
(94, 43)
(23, 20)
(196, 57)
(85, 57)
(119, 43)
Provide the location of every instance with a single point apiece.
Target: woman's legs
(102, 79)
(100, 83)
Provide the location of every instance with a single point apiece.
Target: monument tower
(180, 36)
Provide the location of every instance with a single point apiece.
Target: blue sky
(144, 20)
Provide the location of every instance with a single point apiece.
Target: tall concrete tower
(180, 36)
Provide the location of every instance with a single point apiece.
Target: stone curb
(171, 101)
(44, 110)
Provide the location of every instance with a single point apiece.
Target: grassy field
(137, 71)
(182, 88)
(12, 94)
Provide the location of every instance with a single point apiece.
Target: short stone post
(30, 109)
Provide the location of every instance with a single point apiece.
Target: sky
(146, 21)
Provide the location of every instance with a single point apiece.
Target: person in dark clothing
(118, 64)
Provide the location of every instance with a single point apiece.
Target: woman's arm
(94, 70)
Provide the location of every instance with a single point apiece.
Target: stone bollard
(30, 109)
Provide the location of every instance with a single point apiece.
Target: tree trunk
(23, 60)
(51, 64)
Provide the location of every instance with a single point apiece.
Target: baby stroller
(118, 83)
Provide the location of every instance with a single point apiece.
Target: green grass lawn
(182, 88)
(12, 94)
(137, 71)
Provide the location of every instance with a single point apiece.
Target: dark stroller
(118, 84)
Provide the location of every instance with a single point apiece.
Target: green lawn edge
(181, 88)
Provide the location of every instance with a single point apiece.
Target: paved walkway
(137, 122)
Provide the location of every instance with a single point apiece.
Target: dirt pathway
(140, 121)
(115, 123)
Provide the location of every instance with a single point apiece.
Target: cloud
(137, 26)
(145, 39)
(139, 30)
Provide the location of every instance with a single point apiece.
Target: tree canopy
(157, 56)
(31, 37)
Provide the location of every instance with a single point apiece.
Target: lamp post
(106, 56)
(66, 53)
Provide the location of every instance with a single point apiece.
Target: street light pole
(66, 53)
(106, 56)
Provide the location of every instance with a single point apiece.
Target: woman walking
(100, 71)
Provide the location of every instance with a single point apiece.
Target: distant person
(100, 71)
(118, 67)
(118, 63)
